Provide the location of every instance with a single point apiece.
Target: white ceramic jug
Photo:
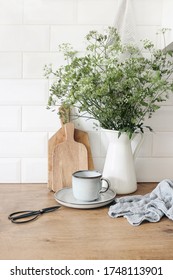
(119, 163)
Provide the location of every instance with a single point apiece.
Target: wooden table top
(76, 234)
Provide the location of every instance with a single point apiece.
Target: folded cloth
(150, 207)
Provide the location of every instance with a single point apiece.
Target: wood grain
(68, 157)
(59, 137)
(56, 139)
(77, 234)
(83, 138)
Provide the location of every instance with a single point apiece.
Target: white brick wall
(30, 31)
(24, 38)
(49, 12)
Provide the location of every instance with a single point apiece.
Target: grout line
(23, 9)
(21, 121)
(20, 171)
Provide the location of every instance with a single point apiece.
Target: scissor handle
(14, 217)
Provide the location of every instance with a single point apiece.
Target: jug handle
(138, 144)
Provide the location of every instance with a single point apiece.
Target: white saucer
(65, 197)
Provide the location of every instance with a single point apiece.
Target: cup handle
(108, 185)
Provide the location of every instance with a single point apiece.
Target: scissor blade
(50, 209)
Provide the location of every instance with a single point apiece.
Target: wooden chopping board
(68, 157)
(59, 137)
(79, 135)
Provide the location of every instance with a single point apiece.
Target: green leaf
(115, 83)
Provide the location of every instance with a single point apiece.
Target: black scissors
(28, 215)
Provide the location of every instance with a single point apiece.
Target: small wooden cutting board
(59, 137)
(68, 157)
